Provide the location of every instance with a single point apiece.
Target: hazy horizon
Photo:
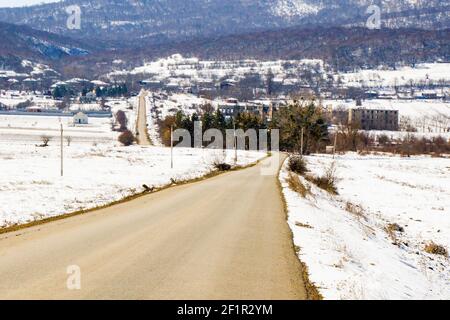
(23, 3)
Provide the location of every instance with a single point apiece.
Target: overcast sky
(21, 3)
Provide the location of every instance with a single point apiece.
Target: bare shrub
(121, 119)
(384, 140)
(45, 140)
(355, 209)
(436, 249)
(127, 138)
(222, 166)
(218, 161)
(392, 229)
(328, 181)
(298, 165)
(297, 185)
(395, 227)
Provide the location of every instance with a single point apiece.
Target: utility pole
(335, 143)
(171, 146)
(301, 144)
(62, 150)
(235, 144)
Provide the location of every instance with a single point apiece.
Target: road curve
(222, 238)
(143, 139)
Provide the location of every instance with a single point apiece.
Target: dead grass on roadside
(436, 249)
(328, 181)
(392, 229)
(297, 185)
(355, 209)
(303, 225)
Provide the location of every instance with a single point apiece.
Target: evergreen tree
(290, 121)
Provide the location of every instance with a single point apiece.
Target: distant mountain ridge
(167, 20)
(22, 42)
(137, 30)
(342, 48)
(39, 44)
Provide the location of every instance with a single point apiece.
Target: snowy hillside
(295, 8)
(178, 70)
(175, 19)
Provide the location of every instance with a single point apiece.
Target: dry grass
(303, 225)
(355, 209)
(297, 185)
(327, 181)
(323, 183)
(392, 229)
(433, 248)
(312, 291)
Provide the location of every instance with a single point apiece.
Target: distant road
(142, 121)
(222, 238)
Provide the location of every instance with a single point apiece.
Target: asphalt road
(221, 238)
(142, 121)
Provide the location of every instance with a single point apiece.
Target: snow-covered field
(31, 187)
(344, 241)
(13, 98)
(30, 128)
(400, 77)
(97, 170)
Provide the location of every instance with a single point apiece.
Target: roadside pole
(62, 150)
(335, 144)
(171, 147)
(301, 142)
(235, 145)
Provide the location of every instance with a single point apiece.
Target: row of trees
(351, 139)
(291, 121)
(210, 120)
(111, 91)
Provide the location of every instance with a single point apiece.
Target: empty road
(142, 121)
(221, 238)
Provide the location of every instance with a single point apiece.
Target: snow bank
(352, 255)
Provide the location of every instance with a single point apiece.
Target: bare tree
(45, 140)
(122, 120)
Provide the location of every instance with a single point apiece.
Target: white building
(80, 118)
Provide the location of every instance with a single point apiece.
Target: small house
(80, 118)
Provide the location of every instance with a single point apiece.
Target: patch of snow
(292, 8)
